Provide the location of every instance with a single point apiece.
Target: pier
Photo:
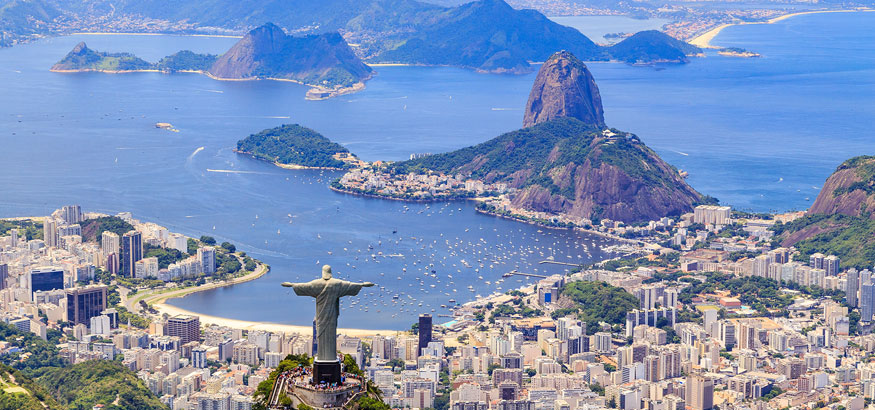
(514, 272)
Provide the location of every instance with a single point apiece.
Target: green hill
(293, 145)
(19, 392)
(186, 60)
(595, 302)
(841, 221)
(567, 166)
(84, 385)
(652, 46)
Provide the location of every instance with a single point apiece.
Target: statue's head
(326, 272)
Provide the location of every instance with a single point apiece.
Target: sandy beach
(704, 40)
(157, 301)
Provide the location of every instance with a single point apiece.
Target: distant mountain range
(323, 60)
(486, 35)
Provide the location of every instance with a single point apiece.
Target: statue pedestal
(326, 372)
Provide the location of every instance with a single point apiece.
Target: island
(737, 52)
(81, 58)
(297, 147)
(324, 62)
(652, 46)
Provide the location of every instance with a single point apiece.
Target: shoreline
(485, 212)
(311, 93)
(158, 302)
(287, 166)
(704, 40)
(110, 33)
(392, 198)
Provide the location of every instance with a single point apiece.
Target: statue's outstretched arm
(291, 285)
(366, 284)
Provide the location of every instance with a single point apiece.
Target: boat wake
(231, 171)
(191, 157)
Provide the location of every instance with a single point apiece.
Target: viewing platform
(298, 386)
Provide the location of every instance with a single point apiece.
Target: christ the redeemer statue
(327, 292)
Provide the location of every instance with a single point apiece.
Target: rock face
(564, 87)
(850, 190)
(323, 60)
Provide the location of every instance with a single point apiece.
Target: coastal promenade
(158, 299)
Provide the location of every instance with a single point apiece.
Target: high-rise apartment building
(50, 232)
(85, 303)
(72, 214)
(131, 252)
(852, 283)
(207, 257)
(109, 242)
(186, 327)
(4, 276)
(424, 331)
(700, 392)
(46, 279)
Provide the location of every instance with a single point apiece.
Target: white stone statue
(327, 292)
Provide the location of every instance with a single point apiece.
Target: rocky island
(324, 62)
(81, 58)
(564, 168)
(294, 146)
(737, 52)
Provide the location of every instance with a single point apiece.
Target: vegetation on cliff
(841, 221)
(262, 392)
(19, 392)
(93, 229)
(567, 166)
(850, 238)
(293, 144)
(84, 385)
(186, 60)
(595, 301)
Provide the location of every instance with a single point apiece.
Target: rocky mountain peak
(850, 190)
(564, 87)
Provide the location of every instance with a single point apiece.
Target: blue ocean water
(759, 134)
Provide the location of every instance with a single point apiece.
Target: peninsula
(564, 168)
